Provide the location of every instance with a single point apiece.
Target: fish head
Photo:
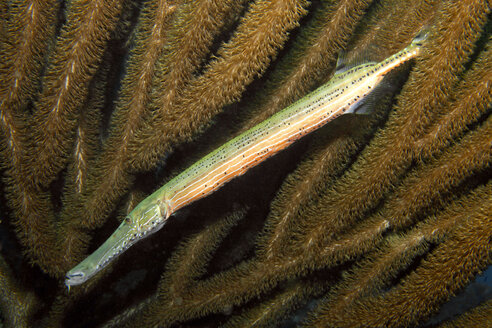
(148, 217)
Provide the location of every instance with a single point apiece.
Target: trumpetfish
(342, 94)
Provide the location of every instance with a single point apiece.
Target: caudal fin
(419, 39)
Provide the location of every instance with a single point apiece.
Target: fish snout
(75, 277)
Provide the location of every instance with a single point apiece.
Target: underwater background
(372, 221)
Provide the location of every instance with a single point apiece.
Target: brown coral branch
(17, 305)
(477, 317)
(470, 101)
(4, 8)
(430, 185)
(302, 188)
(313, 66)
(390, 153)
(390, 24)
(311, 181)
(72, 64)
(21, 64)
(180, 278)
(86, 145)
(433, 183)
(473, 254)
(22, 53)
(187, 45)
(271, 312)
(87, 142)
(345, 305)
(262, 32)
(22, 57)
(74, 240)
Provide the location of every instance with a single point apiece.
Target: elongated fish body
(342, 94)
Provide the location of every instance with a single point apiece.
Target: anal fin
(361, 107)
(390, 85)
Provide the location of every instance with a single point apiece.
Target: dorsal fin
(366, 105)
(341, 62)
(344, 63)
(421, 36)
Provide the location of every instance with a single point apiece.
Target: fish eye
(128, 220)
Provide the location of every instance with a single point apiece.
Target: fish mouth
(107, 252)
(75, 278)
(122, 238)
